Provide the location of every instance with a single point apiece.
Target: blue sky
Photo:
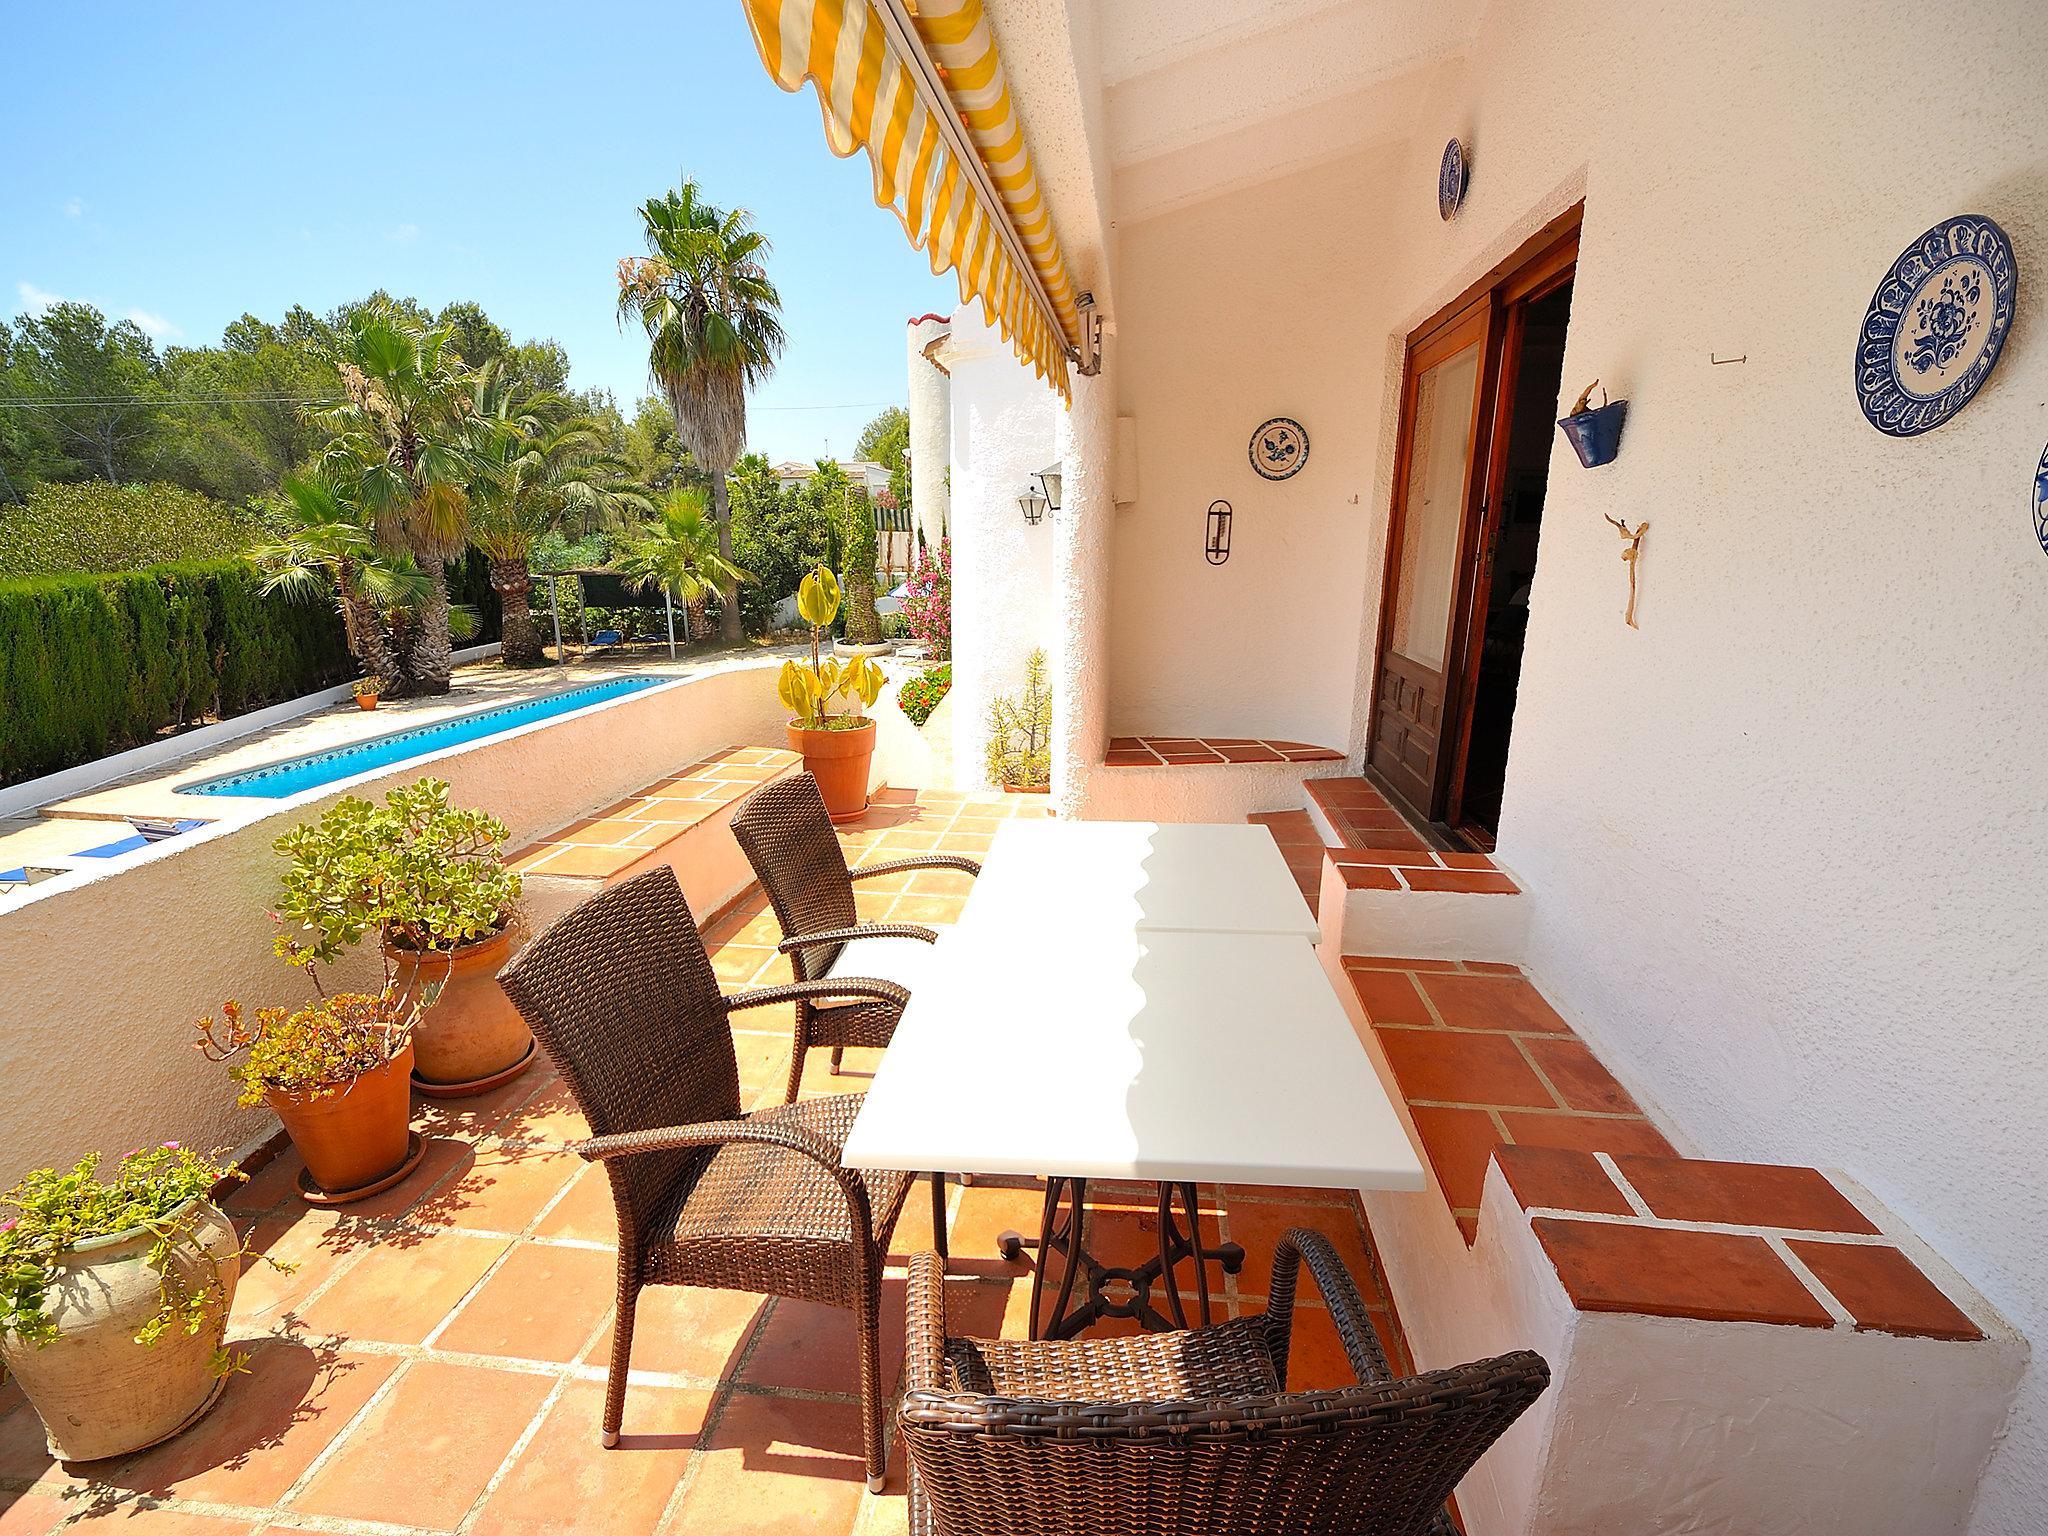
(185, 164)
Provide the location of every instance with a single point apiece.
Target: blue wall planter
(1595, 434)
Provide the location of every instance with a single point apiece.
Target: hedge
(93, 664)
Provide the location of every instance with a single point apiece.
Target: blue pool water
(275, 781)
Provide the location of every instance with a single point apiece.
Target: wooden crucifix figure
(1629, 558)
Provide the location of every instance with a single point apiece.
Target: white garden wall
(1785, 845)
(101, 980)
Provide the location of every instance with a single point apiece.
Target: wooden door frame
(1541, 263)
(1546, 272)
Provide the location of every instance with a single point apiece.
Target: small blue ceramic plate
(2041, 501)
(1279, 448)
(1452, 177)
(1936, 325)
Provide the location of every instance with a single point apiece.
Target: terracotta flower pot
(366, 701)
(472, 1038)
(838, 760)
(1027, 789)
(353, 1138)
(98, 1392)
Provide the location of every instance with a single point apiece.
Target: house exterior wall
(1005, 426)
(931, 429)
(1784, 846)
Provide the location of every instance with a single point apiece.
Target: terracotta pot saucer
(313, 1194)
(476, 1085)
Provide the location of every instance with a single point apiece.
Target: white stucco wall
(1004, 432)
(1784, 845)
(1083, 539)
(931, 428)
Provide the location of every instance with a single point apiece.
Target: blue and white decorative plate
(2041, 501)
(1452, 177)
(1279, 448)
(1936, 325)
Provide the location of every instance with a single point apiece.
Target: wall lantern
(1049, 483)
(1217, 550)
(1033, 504)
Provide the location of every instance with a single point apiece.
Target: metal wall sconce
(1049, 485)
(1218, 547)
(1033, 504)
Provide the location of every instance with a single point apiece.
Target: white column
(1085, 526)
(931, 430)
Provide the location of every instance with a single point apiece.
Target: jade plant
(420, 873)
(316, 1051)
(1020, 732)
(810, 692)
(52, 1213)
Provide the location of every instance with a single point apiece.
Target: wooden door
(1436, 483)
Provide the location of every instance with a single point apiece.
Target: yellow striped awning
(875, 97)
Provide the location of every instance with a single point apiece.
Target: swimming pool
(275, 781)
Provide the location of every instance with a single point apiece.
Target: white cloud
(156, 326)
(74, 207)
(37, 299)
(404, 234)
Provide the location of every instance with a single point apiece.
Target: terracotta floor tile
(1405, 858)
(443, 1157)
(1260, 1227)
(984, 1211)
(1558, 1178)
(565, 1480)
(1587, 1133)
(1579, 1077)
(586, 1212)
(542, 1303)
(1743, 1194)
(1469, 882)
(686, 1330)
(305, 1239)
(267, 1428)
(1368, 877)
(1459, 1143)
(549, 1116)
(777, 1465)
(1884, 1290)
(503, 1189)
(30, 1514)
(428, 1448)
(1613, 1267)
(815, 1348)
(1392, 963)
(1491, 1002)
(272, 1185)
(1458, 1067)
(1389, 997)
(399, 1291)
(1316, 1361)
(144, 1520)
(25, 1451)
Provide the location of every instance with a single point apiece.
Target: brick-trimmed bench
(1762, 1347)
(1211, 751)
(682, 821)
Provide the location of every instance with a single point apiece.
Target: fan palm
(711, 315)
(401, 451)
(327, 550)
(680, 550)
(538, 468)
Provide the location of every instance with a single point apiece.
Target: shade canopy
(923, 91)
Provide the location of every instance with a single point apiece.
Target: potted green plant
(428, 881)
(1020, 734)
(337, 1073)
(114, 1298)
(367, 691)
(837, 744)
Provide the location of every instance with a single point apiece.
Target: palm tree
(328, 550)
(539, 468)
(680, 549)
(401, 452)
(711, 316)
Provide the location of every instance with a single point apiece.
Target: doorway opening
(1479, 400)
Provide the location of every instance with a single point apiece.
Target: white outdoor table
(1153, 876)
(1053, 1043)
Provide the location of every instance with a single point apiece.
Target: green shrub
(93, 527)
(924, 692)
(93, 664)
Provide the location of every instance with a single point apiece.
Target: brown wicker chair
(621, 995)
(1191, 1433)
(789, 840)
